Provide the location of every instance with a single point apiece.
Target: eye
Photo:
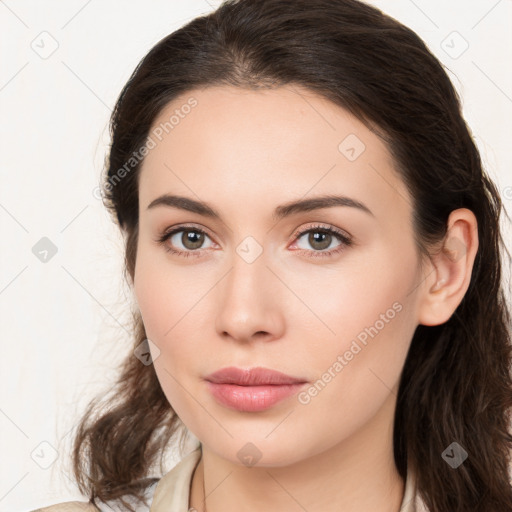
(191, 239)
(320, 238)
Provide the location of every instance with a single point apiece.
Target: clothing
(173, 489)
(171, 493)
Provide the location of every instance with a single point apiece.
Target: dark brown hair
(456, 383)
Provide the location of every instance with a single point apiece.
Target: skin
(244, 153)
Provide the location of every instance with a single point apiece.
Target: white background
(62, 321)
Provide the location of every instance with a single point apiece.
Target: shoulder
(69, 506)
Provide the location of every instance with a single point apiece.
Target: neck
(357, 474)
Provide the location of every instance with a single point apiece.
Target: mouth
(252, 390)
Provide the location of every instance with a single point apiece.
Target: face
(327, 294)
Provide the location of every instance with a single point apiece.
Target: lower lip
(251, 398)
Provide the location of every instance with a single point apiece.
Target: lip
(257, 376)
(251, 390)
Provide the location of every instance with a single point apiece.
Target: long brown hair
(456, 384)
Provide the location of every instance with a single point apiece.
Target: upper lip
(257, 376)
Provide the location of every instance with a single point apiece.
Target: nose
(250, 303)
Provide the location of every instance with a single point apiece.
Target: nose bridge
(249, 301)
(248, 276)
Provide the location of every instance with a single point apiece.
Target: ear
(449, 272)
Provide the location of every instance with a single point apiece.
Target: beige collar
(172, 492)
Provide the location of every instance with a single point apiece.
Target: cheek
(369, 320)
(356, 375)
(151, 297)
(346, 301)
(170, 304)
(163, 297)
(163, 306)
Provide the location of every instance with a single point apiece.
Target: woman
(316, 258)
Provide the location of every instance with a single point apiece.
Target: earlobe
(450, 271)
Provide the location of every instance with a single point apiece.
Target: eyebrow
(284, 210)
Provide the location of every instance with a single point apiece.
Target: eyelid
(183, 227)
(343, 235)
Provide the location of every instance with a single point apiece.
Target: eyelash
(344, 239)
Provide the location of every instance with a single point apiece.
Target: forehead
(262, 147)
